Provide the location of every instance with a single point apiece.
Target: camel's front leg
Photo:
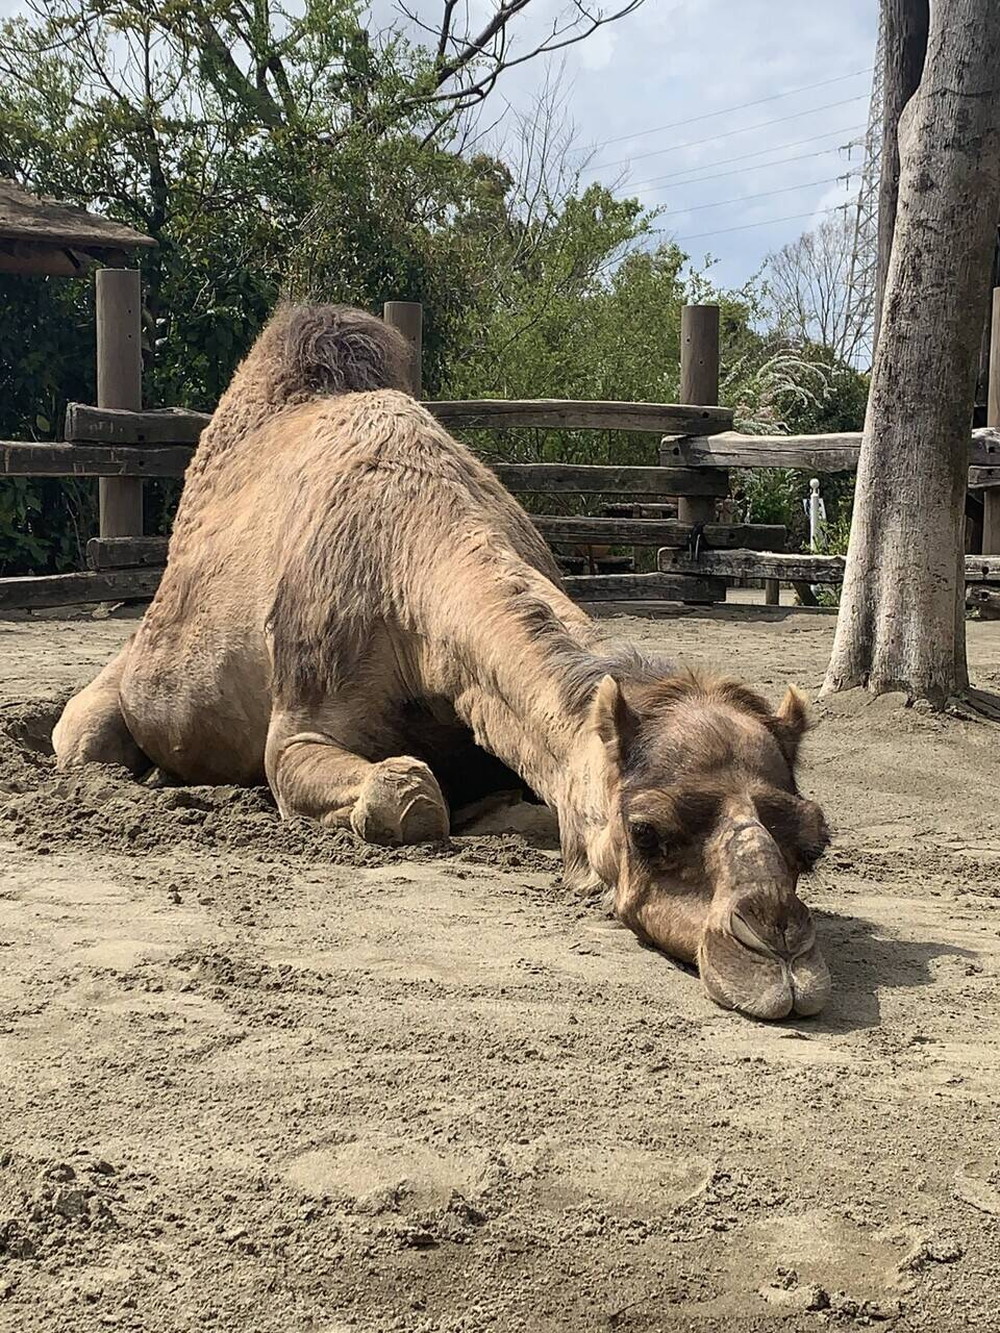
(395, 801)
(92, 729)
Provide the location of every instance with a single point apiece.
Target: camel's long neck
(520, 701)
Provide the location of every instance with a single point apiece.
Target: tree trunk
(904, 27)
(902, 622)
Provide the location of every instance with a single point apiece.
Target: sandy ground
(255, 1077)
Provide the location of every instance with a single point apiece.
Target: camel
(355, 611)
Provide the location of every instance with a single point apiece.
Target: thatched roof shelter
(39, 235)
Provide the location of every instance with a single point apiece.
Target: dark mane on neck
(583, 668)
(652, 681)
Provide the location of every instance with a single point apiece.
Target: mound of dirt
(44, 1207)
(106, 808)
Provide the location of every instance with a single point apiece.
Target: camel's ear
(791, 723)
(613, 720)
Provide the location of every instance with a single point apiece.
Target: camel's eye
(797, 826)
(645, 838)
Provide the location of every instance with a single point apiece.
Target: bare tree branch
(561, 35)
(445, 36)
(495, 27)
(807, 281)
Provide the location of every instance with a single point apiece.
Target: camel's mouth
(740, 971)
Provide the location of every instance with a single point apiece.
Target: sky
(663, 99)
(730, 115)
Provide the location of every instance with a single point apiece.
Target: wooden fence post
(407, 318)
(700, 355)
(991, 496)
(119, 384)
(699, 386)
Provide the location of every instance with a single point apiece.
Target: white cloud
(728, 168)
(597, 52)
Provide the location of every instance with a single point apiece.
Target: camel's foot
(400, 803)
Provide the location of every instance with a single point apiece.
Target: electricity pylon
(863, 267)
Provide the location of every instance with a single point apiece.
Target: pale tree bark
(905, 24)
(902, 610)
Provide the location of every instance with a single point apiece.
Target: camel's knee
(92, 730)
(395, 801)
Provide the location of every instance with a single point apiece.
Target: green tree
(269, 151)
(261, 147)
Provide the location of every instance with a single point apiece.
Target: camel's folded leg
(92, 729)
(395, 801)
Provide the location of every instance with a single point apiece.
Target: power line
(767, 194)
(714, 138)
(760, 166)
(768, 222)
(742, 106)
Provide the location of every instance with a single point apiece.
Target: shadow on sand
(864, 962)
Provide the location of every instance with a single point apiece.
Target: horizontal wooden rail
(816, 453)
(987, 599)
(656, 532)
(748, 564)
(567, 414)
(982, 569)
(47, 590)
(95, 460)
(100, 460)
(983, 478)
(810, 453)
(34, 592)
(110, 425)
(643, 587)
(705, 583)
(792, 568)
(174, 425)
(126, 552)
(531, 478)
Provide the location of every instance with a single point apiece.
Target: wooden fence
(819, 455)
(116, 443)
(698, 555)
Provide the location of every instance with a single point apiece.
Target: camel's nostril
(788, 937)
(748, 937)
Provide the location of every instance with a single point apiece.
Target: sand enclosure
(259, 1077)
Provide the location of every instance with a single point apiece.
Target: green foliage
(777, 389)
(303, 167)
(44, 524)
(295, 151)
(575, 312)
(833, 540)
(46, 358)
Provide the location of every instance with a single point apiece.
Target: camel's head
(708, 836)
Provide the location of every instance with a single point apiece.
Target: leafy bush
(779, 390)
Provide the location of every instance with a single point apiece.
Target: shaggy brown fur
(306, 352)
(355, 610)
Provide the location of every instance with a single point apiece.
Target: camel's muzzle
(759, 954)
(766, 973)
